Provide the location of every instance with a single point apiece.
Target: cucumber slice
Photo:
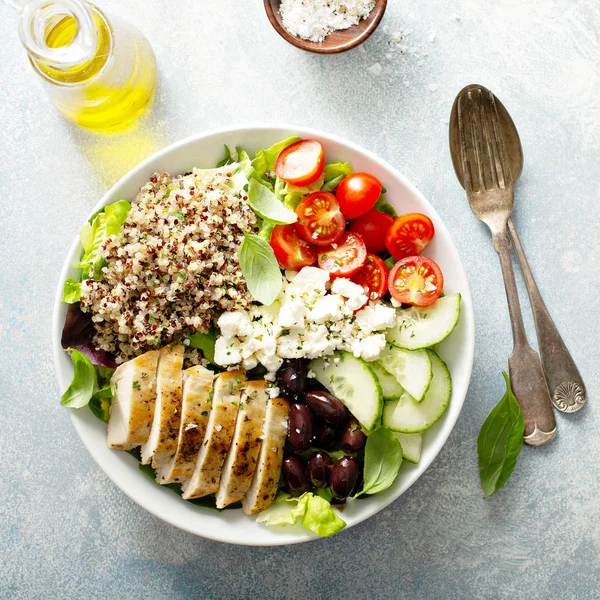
(411, 368)
(353, 381)
(390, 387)
(411, 445)
(423, 327)
(409, 416)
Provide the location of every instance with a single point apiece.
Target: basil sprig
(260, 269)
(267, 206)
(84, 382)
(383, 458)
(500, 441)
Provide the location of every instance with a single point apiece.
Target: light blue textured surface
(67, 532)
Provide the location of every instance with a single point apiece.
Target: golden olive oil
(108, 91)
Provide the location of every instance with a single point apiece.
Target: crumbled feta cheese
(354, 293)
(292, 314)
(274, 392)
(327, 308)
(234, 323)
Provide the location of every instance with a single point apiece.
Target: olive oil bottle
(100, 73)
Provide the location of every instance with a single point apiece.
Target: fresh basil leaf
(500, 441)
(266, 205)
(331, 185)
(382, 206)
(260, 269)
(206, 343)
(383, 457)
(79, 393)
(71, 291)
(227, 158)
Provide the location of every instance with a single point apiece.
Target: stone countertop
(67, 532)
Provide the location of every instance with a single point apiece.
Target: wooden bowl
(336, 41)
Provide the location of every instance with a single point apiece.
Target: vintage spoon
(562, 376)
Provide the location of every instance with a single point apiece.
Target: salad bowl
(232, 526)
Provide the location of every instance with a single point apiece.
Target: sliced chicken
(162, 443)
(266, 478)
(132, 407)
(219, 433)
(197, 393)
(242, 457)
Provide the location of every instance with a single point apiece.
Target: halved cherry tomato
(291, 251)
(358, 193)
(320, 220)
(409, 234)
(373, 277)
(301, 163)
(345, 257)
(416, 280)
(372, 228)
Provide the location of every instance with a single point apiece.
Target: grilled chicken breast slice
(242, 458)
(219, 433)
(132, 406)
(264, 484)
(164, 433)
(195, 408)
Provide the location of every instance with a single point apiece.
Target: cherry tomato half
(409, 234)
(345, 257)
(358, 193)
(373, 277)
(301, 163)
(320, 220)
(416, 280)
(291, 251)
(372, 228)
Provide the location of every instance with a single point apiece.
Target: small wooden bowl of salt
(325, 26)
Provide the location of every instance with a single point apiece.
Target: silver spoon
(564, 381)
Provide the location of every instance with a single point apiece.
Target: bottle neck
(60, 34)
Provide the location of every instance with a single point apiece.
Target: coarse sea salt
(314, 20)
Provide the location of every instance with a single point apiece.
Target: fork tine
(476, 140)
(464, 161)
(504, 164)
(491, 165)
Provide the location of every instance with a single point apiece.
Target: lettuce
(94, 234)
(84, 382)
(316, 513)
(71, 291)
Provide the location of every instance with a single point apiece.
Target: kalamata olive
(301, 427)
(326, 437)
(295, 476)
(292, 375)
(319, 465)
(345, 477)
(326, 407)
(353, 439)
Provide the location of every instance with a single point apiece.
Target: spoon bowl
(337, 41)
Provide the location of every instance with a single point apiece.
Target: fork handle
(562, 376)
(524, 366)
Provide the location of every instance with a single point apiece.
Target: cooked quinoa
(173, 267)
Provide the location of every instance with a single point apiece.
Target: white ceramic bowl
(232, 525)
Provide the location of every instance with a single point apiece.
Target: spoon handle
(525, 369)
(564, 381)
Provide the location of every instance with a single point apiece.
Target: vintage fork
(489, 185)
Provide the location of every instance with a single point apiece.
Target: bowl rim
(437, 444)
(316, 47)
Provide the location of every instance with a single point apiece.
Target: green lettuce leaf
(260, 268)
(266, 205)
(382, 206)
(206, 343)
(227, 159)
(84, 382)
(334, 170)
(316, 514)
(71, 291)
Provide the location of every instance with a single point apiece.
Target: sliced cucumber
(390, 387)
(411, 368)
(353, 381)
(406, 415)
(411, 445)
(423, 327)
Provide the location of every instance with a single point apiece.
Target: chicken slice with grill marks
(197, 395)
(162, 443)
(219, 433)
(266, 478)
(242, 457)
(132, 407)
